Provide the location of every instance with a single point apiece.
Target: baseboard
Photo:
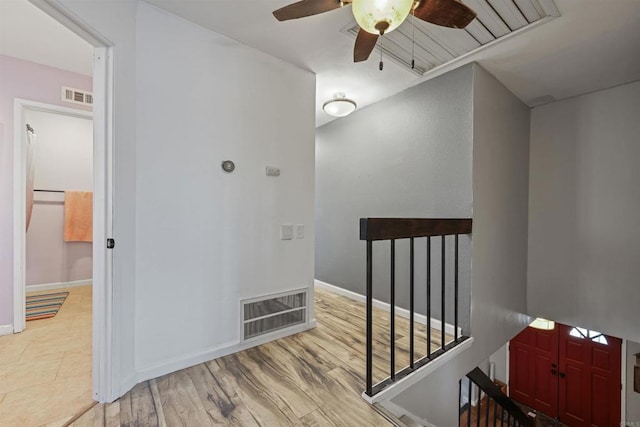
(127, 384)
(6, 330)
(402, 312)
(183, 362)
(58, 285)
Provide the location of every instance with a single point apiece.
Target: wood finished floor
(45, 371)
(314, 378)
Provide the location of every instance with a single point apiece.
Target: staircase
(492, 407)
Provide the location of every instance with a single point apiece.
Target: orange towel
(78, 216)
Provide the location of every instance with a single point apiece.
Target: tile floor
(45, 371)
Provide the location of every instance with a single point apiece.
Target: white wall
(584, 211)
(407, 156)
(501, 360)
(499, 266)
(63, 160)
(198, 240)
(633, 398)
(205, 238)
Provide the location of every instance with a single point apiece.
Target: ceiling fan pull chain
(413, 38)
(380, 65)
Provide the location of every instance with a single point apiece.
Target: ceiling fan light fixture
(339, 106)
(380, 16)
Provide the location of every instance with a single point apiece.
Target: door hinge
(111, 243)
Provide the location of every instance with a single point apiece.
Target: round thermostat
(228, 166)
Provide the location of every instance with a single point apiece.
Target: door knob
(562, 375)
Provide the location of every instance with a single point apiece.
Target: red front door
(569, 373)
(533, 370)
(589, 378)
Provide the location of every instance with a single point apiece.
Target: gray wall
(633, 398)
(498, 293)
(584, 211)
(406, 156)
(501, 360)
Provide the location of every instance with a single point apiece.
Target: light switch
(273, 171)
(299, 231)
(286, 232)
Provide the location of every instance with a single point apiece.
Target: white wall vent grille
(77, 96)
(273, 312)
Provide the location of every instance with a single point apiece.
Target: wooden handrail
(481, 379)
(404, 228)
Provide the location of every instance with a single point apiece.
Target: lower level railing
(492, 408)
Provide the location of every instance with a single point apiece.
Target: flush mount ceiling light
(544, 324)
(339, 106)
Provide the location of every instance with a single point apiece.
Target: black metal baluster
(411, 308)
(495, 414)
(455, 298)
(469, 399)
(509, 419)
(479, 408)
(429, 296)
(442, 295)
(486, 420)
(369, 317)
(393, 309)
(460, 405)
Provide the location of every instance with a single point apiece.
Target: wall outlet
(299, 231)
(286, 232)
(273, 171)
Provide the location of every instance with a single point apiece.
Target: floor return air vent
(273, 312)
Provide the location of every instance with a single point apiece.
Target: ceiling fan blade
(306, 8)
(365, 42)
(446, 13)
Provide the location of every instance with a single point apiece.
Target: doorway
(569, 373)
(60, 160)
(104, 350)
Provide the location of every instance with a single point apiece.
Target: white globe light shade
(370, 13)
(339, 107)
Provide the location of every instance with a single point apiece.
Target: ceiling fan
(377, 17)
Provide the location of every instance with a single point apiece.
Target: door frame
(623, 375)
(103, 347)
(20, 107)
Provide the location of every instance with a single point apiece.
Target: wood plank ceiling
(435, 46)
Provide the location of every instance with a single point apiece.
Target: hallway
(314, 378)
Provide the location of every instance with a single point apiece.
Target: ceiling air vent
(77, 96)
(435, 46)
(273, 312)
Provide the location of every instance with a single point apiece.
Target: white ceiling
(28, 33)
(594, 44)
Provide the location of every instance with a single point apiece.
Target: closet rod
(50, 191)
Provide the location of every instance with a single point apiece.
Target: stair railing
(392, 229)
(493, 409)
